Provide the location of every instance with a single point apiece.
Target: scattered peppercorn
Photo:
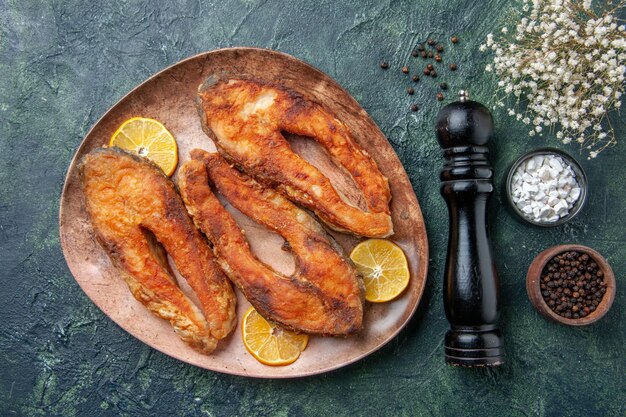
(570, 285)
(434, 50)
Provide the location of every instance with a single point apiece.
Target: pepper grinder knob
(471, 286)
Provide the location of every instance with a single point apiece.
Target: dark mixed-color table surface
(63, 64)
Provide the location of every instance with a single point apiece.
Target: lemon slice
(271, 344)
(383, 267)
(150, 139)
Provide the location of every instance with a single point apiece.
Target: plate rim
(421, 274)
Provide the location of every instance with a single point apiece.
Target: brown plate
(169, 97)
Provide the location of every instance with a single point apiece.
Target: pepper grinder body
(471, 285)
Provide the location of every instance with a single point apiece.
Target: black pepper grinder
(471, 287)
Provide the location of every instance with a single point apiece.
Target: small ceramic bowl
(581, 178)
(533, 280)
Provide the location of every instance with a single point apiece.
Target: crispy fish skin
(325, 294)
(245, 119)
(134, 209)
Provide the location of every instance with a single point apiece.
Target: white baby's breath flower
(565, 62)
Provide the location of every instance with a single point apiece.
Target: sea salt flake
(553, 173)
(531, 189)
(544, 210)
(561, 208)
(555, 163)
(538, 160)
(529, 178)
(552, 201)
(544, 173)
(562, 182)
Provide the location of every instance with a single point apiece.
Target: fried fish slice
(134, 209)
(245, 119)
(324, 295)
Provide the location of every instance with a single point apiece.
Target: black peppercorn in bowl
(571, 284)
(579, 175)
